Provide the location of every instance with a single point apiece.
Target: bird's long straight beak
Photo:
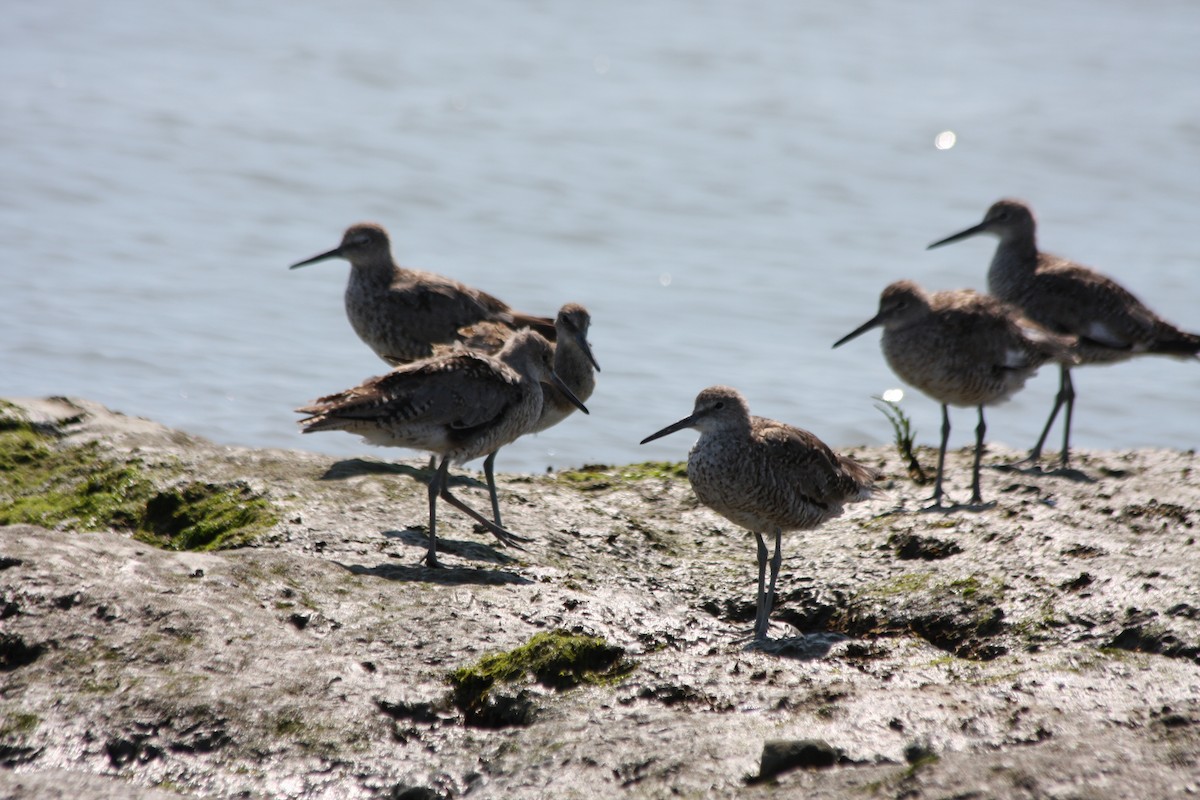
(861, 329)
(334, 253)
(686, 422)
(562, 387)
(587, 350)
(971, 231)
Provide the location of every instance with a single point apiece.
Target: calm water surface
(727, 187)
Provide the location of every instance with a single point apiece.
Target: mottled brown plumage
(573, 363)
(765, 476)
(573, 359)
(961, 348)
(402, 313)
(458, 406)
(1111, 324)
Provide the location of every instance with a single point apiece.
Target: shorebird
(961, 348)
(573, 363)
(766, 476)
(401, 313)
(457, 406)
(1069, 298)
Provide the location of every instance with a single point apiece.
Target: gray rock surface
(1045, 646)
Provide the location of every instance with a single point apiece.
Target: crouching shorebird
(573, 363)
(961, 348)
(401, 313)
(766, 476)
(1069, 298)
(458, 406)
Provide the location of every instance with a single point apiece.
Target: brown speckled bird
(961, 348)
(766, 476)
(573, 363)
(1069, 298)
(402, 313)
(458, 406)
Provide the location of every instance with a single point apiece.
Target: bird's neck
(374, 273)
(376, 269)
(1013, 265)
(574, 368)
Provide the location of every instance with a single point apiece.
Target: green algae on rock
(76, 488)
(204, 516)
(18, 723)
(556, 659)
(82, 487)
(593, 477)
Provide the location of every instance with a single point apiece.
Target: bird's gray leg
(776, 562)
(980, 430)
(435, 484)
(760, 619)
(1068, 390)
(1065, 389)
(489, 464)
(937, 486)
(505, 536)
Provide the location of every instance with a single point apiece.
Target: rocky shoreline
(1047, 645)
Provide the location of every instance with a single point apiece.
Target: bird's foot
(977, 504)
(507, 537)
(754, 640)
(945, 505)
(760, 645)
(502, 534)
(1030, 463)
(941, 502)
(1030, 466)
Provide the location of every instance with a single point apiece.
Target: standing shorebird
(765, 476)
(458, 406)
(573, 363)
(401, 313)
(961, 348)
(1069, 298)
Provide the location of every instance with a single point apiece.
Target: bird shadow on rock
(416, 572)
(948, 506)
(805, 647)
(474, 551)
(954, 507)
(1029, 468)
(354, 467)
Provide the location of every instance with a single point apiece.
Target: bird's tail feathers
(1177, 343)
(543, 325)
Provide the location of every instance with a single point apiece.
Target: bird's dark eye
(720, 404)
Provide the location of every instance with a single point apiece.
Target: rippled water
(727, 187)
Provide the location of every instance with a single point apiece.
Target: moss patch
(962, 617)
(81, 487)
(11, 416)
(591, 477)
(902, 584)
(289, 724)
(19, 724)
(204, 516)
(557, 659)
(73, 487)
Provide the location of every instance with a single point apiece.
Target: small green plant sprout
(889, 405)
